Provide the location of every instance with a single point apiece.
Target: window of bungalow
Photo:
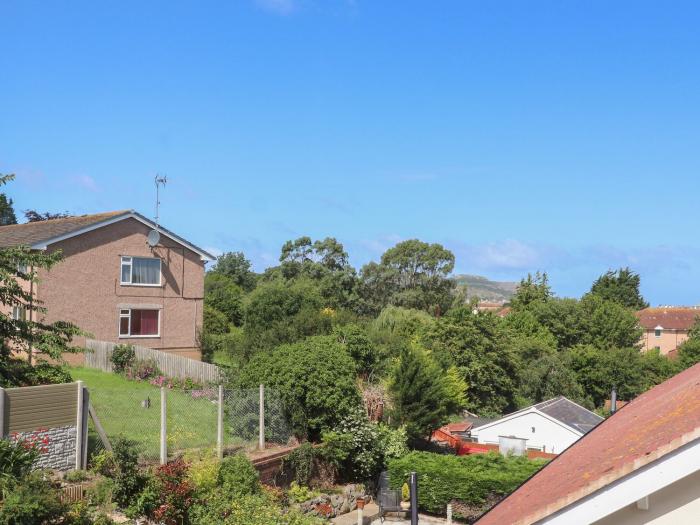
(135, 322)
(140, 271)
(657, 331)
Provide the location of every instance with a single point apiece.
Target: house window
(141, 271)
(21, 268)
(139, 323)
(657, 332)
(19, 313)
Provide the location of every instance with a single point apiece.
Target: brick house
(113, 284)
(666, 327)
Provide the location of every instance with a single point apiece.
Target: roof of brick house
(39, 234)
(653, 425)
(669, 318)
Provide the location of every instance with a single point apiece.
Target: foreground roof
(559, 408)
(40, 234)
(670, 318)
(648, 428)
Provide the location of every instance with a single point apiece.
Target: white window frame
(17, 315)
(126, 313)
(658, 331)
(128, 260)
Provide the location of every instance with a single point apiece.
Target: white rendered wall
(555, 437)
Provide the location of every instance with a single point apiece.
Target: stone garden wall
(57, 446)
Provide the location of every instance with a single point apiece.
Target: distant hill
(486, 290)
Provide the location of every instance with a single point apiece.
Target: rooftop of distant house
(40, 234)
(669, 317)
(648, 428)
(561, 409)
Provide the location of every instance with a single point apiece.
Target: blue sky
(559, 136)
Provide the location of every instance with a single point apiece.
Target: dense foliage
(315, 379)
(466, 479)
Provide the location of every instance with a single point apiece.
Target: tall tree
(533, 289)
(222, 293)
(419, 393)
(412, 274)
(325, 263)
(620, 286)
(235, 266)
(7, 212)
(477, 344)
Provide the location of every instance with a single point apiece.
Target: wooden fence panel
(99, 356)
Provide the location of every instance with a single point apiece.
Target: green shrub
(299, 493)
(101, 494)
(354, 448)
(32, 501)
(167, 497)
(75, 476)
(203, 472)
(393, 442)
(43, 373)
(238, 477)
(215, 322)
(467, 479)
(16, 461)
(301, 461)
(220, 509)
(143, 369)
(315, 379)
(122, 358)
(121, 466)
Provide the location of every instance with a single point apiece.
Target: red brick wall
(85, 288)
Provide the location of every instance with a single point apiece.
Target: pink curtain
(144, 322)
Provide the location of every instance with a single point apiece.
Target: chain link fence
(191, 420)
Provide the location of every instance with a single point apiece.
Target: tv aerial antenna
(154, 235)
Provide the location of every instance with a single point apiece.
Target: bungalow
(550, 426)
(666, 327)
(115, 283)
(641, 465)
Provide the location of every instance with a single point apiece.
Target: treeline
(402, 328)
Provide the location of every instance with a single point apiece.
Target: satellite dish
(153, 238)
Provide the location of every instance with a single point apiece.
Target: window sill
(143, 285)
(156, 336)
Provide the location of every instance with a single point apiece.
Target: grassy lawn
(119, 405)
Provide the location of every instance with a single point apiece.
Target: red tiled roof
(462, 426)
(646, 429)
(672, 318)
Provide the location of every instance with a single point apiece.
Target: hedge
(467, 479)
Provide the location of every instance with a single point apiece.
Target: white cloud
(279, 7)
(509, 254)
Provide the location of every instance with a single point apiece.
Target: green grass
(118, 402)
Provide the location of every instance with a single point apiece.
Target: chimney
(613, 400)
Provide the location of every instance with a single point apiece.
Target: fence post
(79, 427)
(86, 413)
(261, 424)
(220, 424)
(2, 413)
(163, 427)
